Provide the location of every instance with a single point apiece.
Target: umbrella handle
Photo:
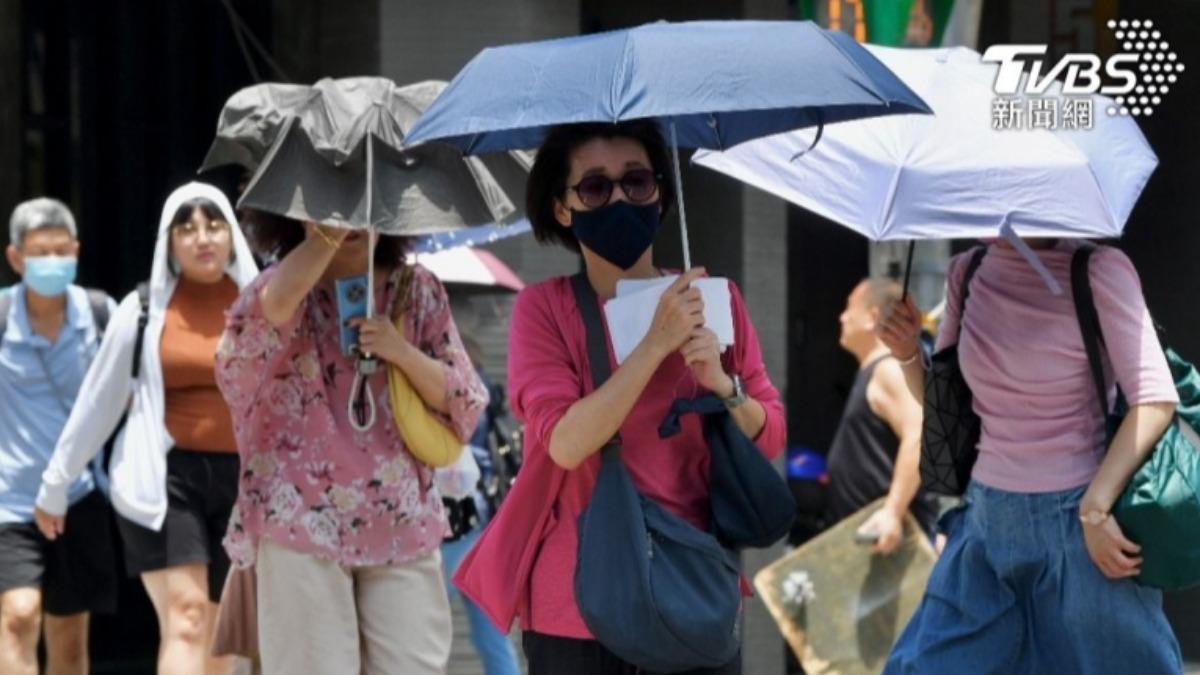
(360, 407)
(370, 231)
(683, 229)
(912, 245)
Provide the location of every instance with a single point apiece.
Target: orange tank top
(196, 414)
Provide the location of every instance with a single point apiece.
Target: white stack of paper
(630, 314)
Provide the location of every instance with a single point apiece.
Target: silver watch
(739, 394)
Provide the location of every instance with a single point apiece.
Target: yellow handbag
(425, 436)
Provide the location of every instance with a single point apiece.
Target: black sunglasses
(638, 185)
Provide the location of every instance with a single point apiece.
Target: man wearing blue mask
(50, 330)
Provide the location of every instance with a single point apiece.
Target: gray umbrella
(334, 153)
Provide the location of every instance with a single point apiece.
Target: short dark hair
(548, 177)
(273, 236)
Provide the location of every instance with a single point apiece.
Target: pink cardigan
(524, 564)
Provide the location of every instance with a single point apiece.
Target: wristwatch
(739, 393)
(1093, 518)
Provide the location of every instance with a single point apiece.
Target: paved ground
(463, 660)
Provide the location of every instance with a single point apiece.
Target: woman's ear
(561, 213)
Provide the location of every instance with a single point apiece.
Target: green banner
(893, 23)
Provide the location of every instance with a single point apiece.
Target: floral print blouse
(309, 481)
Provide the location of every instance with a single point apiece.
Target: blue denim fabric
(494, 648)
(1015, 592)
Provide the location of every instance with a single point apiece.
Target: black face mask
(619, 232)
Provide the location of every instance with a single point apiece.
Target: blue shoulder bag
(653, 589)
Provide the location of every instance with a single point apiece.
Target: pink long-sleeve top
(1022, 354)
(525, 562)
(310, 482)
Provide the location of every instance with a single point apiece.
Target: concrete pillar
(11, 156)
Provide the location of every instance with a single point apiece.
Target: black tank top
(862, 458)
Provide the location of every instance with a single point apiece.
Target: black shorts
(201, 490)
(76, 572)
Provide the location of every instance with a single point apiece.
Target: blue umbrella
(710, 84)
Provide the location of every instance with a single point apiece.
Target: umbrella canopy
(335, 153)
(952, 175)
(709, 84)
(471, 266)
(719, 82)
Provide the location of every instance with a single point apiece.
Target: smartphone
(351, 304)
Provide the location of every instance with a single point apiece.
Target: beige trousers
(317, 617)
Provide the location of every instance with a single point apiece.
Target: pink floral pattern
(309, 481)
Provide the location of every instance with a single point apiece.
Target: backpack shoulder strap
(98, 301)
(1089, 320)
(143, 292)
(965, 289)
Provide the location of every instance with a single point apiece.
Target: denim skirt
(1016, 592)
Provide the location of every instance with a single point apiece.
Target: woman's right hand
(900, 328)
(680, 311)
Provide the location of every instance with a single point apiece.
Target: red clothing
(524, 564)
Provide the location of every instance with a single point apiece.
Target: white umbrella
(951, 175)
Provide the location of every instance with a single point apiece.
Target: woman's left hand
(702, 353)
(380, 337)
(1116, 556)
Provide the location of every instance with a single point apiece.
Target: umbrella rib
(888, 202)
(1107, 205)
(618, 78)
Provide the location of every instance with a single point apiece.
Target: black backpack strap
(965, 289)
(143, 292)
(98, 301)
(593, 327)
(1089, 320)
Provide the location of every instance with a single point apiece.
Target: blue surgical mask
(619, 232)
(49, 275)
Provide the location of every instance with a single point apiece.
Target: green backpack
(1160, 508)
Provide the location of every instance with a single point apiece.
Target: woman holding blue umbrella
(601, 190)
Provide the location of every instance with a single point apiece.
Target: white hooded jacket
(138, 469)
